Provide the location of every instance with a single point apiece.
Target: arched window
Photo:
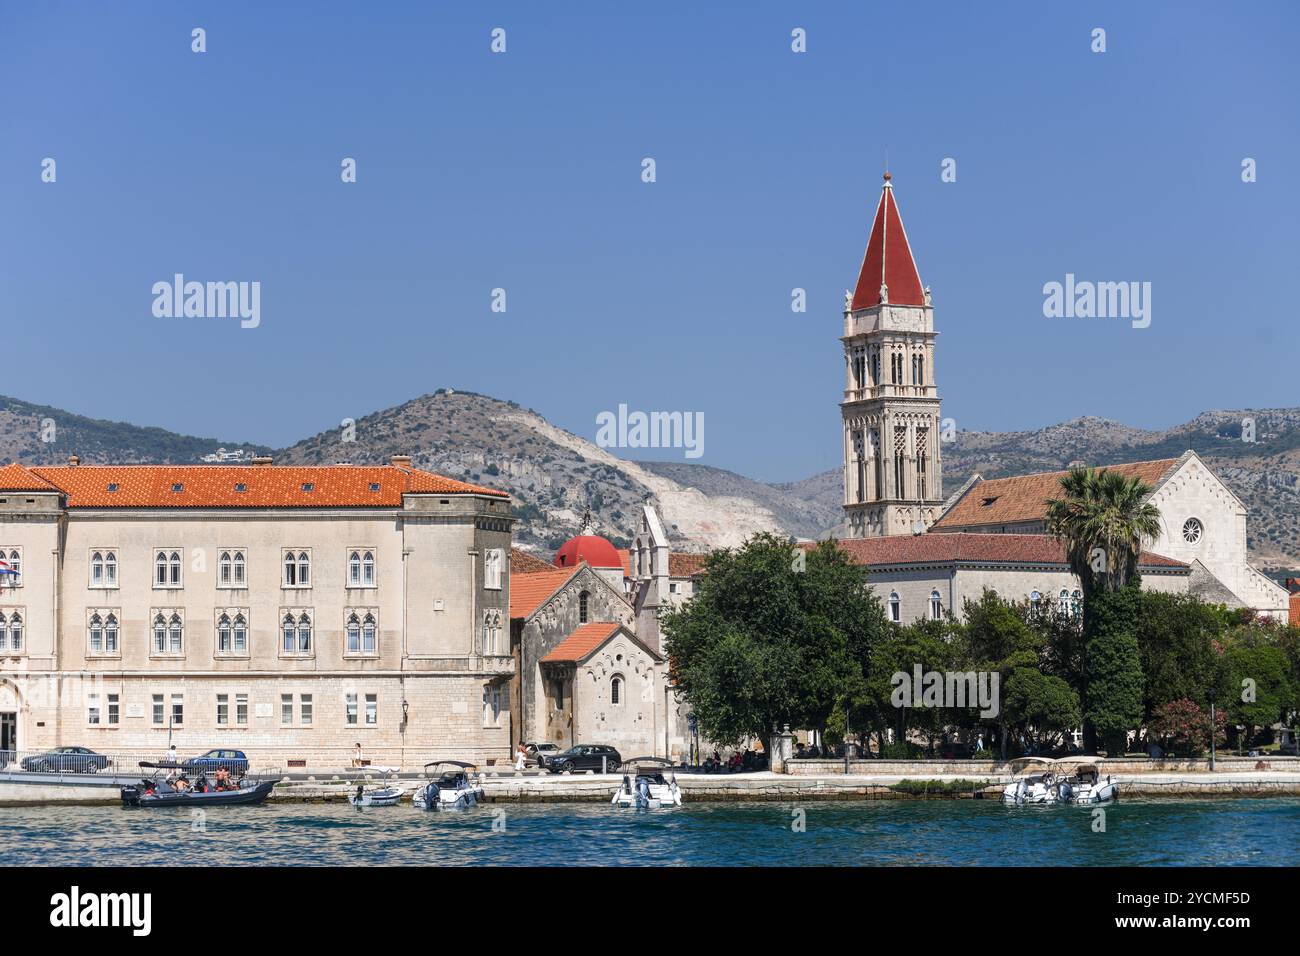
(936, 606)
(174, 568)
(582, 607)
(241, 634)
(160, 635)
(304, 570)
(492, 562)
(368, 569)
(304, 634)
(225, 569)
(239, 569)
(290, 569)
(354, 569)
(1035, 599)
(15, 568)
(4, 634)
(96, 634)
(895, 608)
(616, 689)
(110, 569)
(223, 635)
(97, 570)
(354, 634)
(16, 631)
(1076, 604)
(160, 569)
(487, 632)
(288, 633)
(175, 635)
(110, 635)
(1063, 604)
(369, 635)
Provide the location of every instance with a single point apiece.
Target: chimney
(263, 460)
(74, 461)
(400, 461)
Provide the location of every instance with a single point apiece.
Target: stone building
(1202, 524)
(289, 612)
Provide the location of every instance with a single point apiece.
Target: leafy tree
(769, 639)
(1043, 706)
(924, 644)
(1258, 673)
(1175, 635)
(1183, 725)
(997, 638)
(1113, 667)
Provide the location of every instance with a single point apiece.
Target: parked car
(66, 760)
(232, 760)
(535, 752)
(584, 757)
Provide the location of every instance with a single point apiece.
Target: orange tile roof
(582, 642)
(625, 555)
(521, 562)
(1024, 498)
(15, 477)
(529, 591)
(941, 548)
(265, 486)
(683, 565)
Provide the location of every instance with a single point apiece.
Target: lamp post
(1213, 734)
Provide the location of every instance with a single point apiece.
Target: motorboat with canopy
(169, 786)
(1066, 780)
(382, 796)
(449, 787)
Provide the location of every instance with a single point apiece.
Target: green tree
(998, 638)
(1175, 635)
(774, 635)
(1258, 675)
(1103, 519)
(1042, 706)
(1113, 668)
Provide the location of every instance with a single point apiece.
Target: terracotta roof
(939, 548)
(528, 592)
(888, 259)
(582, 642)
(521, 562)
(265, 486)
(682, 565)
(1024, 498)
(15, 477)
(625, 555)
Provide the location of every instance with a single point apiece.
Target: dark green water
(1242, 832)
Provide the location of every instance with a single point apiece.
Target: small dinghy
(449, 789)
(1036, 782)
(375, 796)
(169, 787)
(645, 787)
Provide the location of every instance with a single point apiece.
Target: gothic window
(616, 689)
(879, 464)
(223, 634)
(160, 634)
(110, 634)
(368, 569)
(297, 569)
(493, 559)
(875, 365)
(160, 569)
(225, 569)
(239, 569)
(304, 634)
(354, 633)
(288, 633)
(241, 634)
(1076, 604)
(175, 635)
(936, 606)
(922, 436)
(900, 452)
(1035, 599)
(859, 451)
(96, 634)
(13, 568)
(1063, 606)
(895, 608)
(582, 607)
(174, 569)
(354, 569)
(97, 570)
(369, 635)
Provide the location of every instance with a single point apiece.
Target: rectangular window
(223, 710)
(178, 709)
(304, 708)
(114, 710)
(372, 709)
(241, 709)
(92, 709)
(286, 709)
(350, 707)
(159, 711)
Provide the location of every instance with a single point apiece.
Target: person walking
(521, 757)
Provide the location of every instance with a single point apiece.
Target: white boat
(645, 787)
(450, 789)
(1081, 783)
(375, 797)
(1074, 780)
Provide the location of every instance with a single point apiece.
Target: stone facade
(408, 656)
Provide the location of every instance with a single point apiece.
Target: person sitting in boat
(201, 785)
(222, 779)
(182, 784)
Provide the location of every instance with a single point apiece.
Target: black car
(66, 760)
(595, 757)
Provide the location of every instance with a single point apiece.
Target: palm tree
(1103, 519)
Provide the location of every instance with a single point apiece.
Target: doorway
(8, 736)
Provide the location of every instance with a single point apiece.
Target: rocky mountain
(555, 475)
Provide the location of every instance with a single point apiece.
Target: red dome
(591, 548)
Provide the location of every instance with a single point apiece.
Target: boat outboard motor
(433, 796)
(642, 792)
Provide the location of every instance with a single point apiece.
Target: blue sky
(523, 171)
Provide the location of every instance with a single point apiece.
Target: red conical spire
(888, 260)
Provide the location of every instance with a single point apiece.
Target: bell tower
(893, 481)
